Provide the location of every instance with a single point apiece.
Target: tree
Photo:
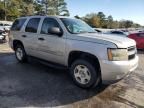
(100, 20)
(11, 9)
(95, 21)
(27, 7)
(55, 7)
(61, 8)
(92, 19)
(101, 15)
(38, 8)
(2, 10)
(135, 25)
(110, 22)
(128, 24)
(16, 8)
(115, 25)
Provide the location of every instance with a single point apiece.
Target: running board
(47, 63)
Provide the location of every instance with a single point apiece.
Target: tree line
(100, 20)
(11, 9)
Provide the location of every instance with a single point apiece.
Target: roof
(52, 16)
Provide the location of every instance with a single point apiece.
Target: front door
(51, 47)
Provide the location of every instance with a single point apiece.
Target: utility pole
(46, 4)
(5, 10)
(57, 9)
(33, 9)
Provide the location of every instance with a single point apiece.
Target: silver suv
(91, 57)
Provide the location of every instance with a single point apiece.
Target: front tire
(20, 53)
(84, 73)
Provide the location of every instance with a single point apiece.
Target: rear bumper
(10, 43)
(115, 70)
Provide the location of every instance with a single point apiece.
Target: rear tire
(20, 53)
(84, 73)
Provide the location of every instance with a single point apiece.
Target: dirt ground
(35, 85)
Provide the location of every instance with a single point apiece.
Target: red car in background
(139, 38)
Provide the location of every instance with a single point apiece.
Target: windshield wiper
(83, 32)
(92, 32)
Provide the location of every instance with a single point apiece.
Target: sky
(119, 9)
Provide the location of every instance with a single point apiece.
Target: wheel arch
(73, 55)
(16, 42)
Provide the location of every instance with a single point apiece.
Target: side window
(114, 32)
(117, 32)
(47, 23)
(141, 34)
(17, 25)
(6, 25)
(32, 25)
(1, 24)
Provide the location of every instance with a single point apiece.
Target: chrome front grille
(131, 52)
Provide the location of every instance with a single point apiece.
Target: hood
(121, 42)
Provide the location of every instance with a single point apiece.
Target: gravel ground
(36, 85)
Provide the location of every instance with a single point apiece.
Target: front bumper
(115, 70)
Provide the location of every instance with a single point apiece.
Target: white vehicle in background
(5, 25)
(4, 29)
(118, 33)
(3, 36)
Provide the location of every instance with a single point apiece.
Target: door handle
(41, 39)
(24, 36)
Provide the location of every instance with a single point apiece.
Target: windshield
(76, 26)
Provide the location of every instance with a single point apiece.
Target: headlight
(117, 54)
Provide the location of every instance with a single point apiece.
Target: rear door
(30, 36)
(16, 30)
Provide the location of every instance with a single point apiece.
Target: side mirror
(55, 31)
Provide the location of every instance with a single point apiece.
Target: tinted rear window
(17, 25)
(32, 25)
(1, 24)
